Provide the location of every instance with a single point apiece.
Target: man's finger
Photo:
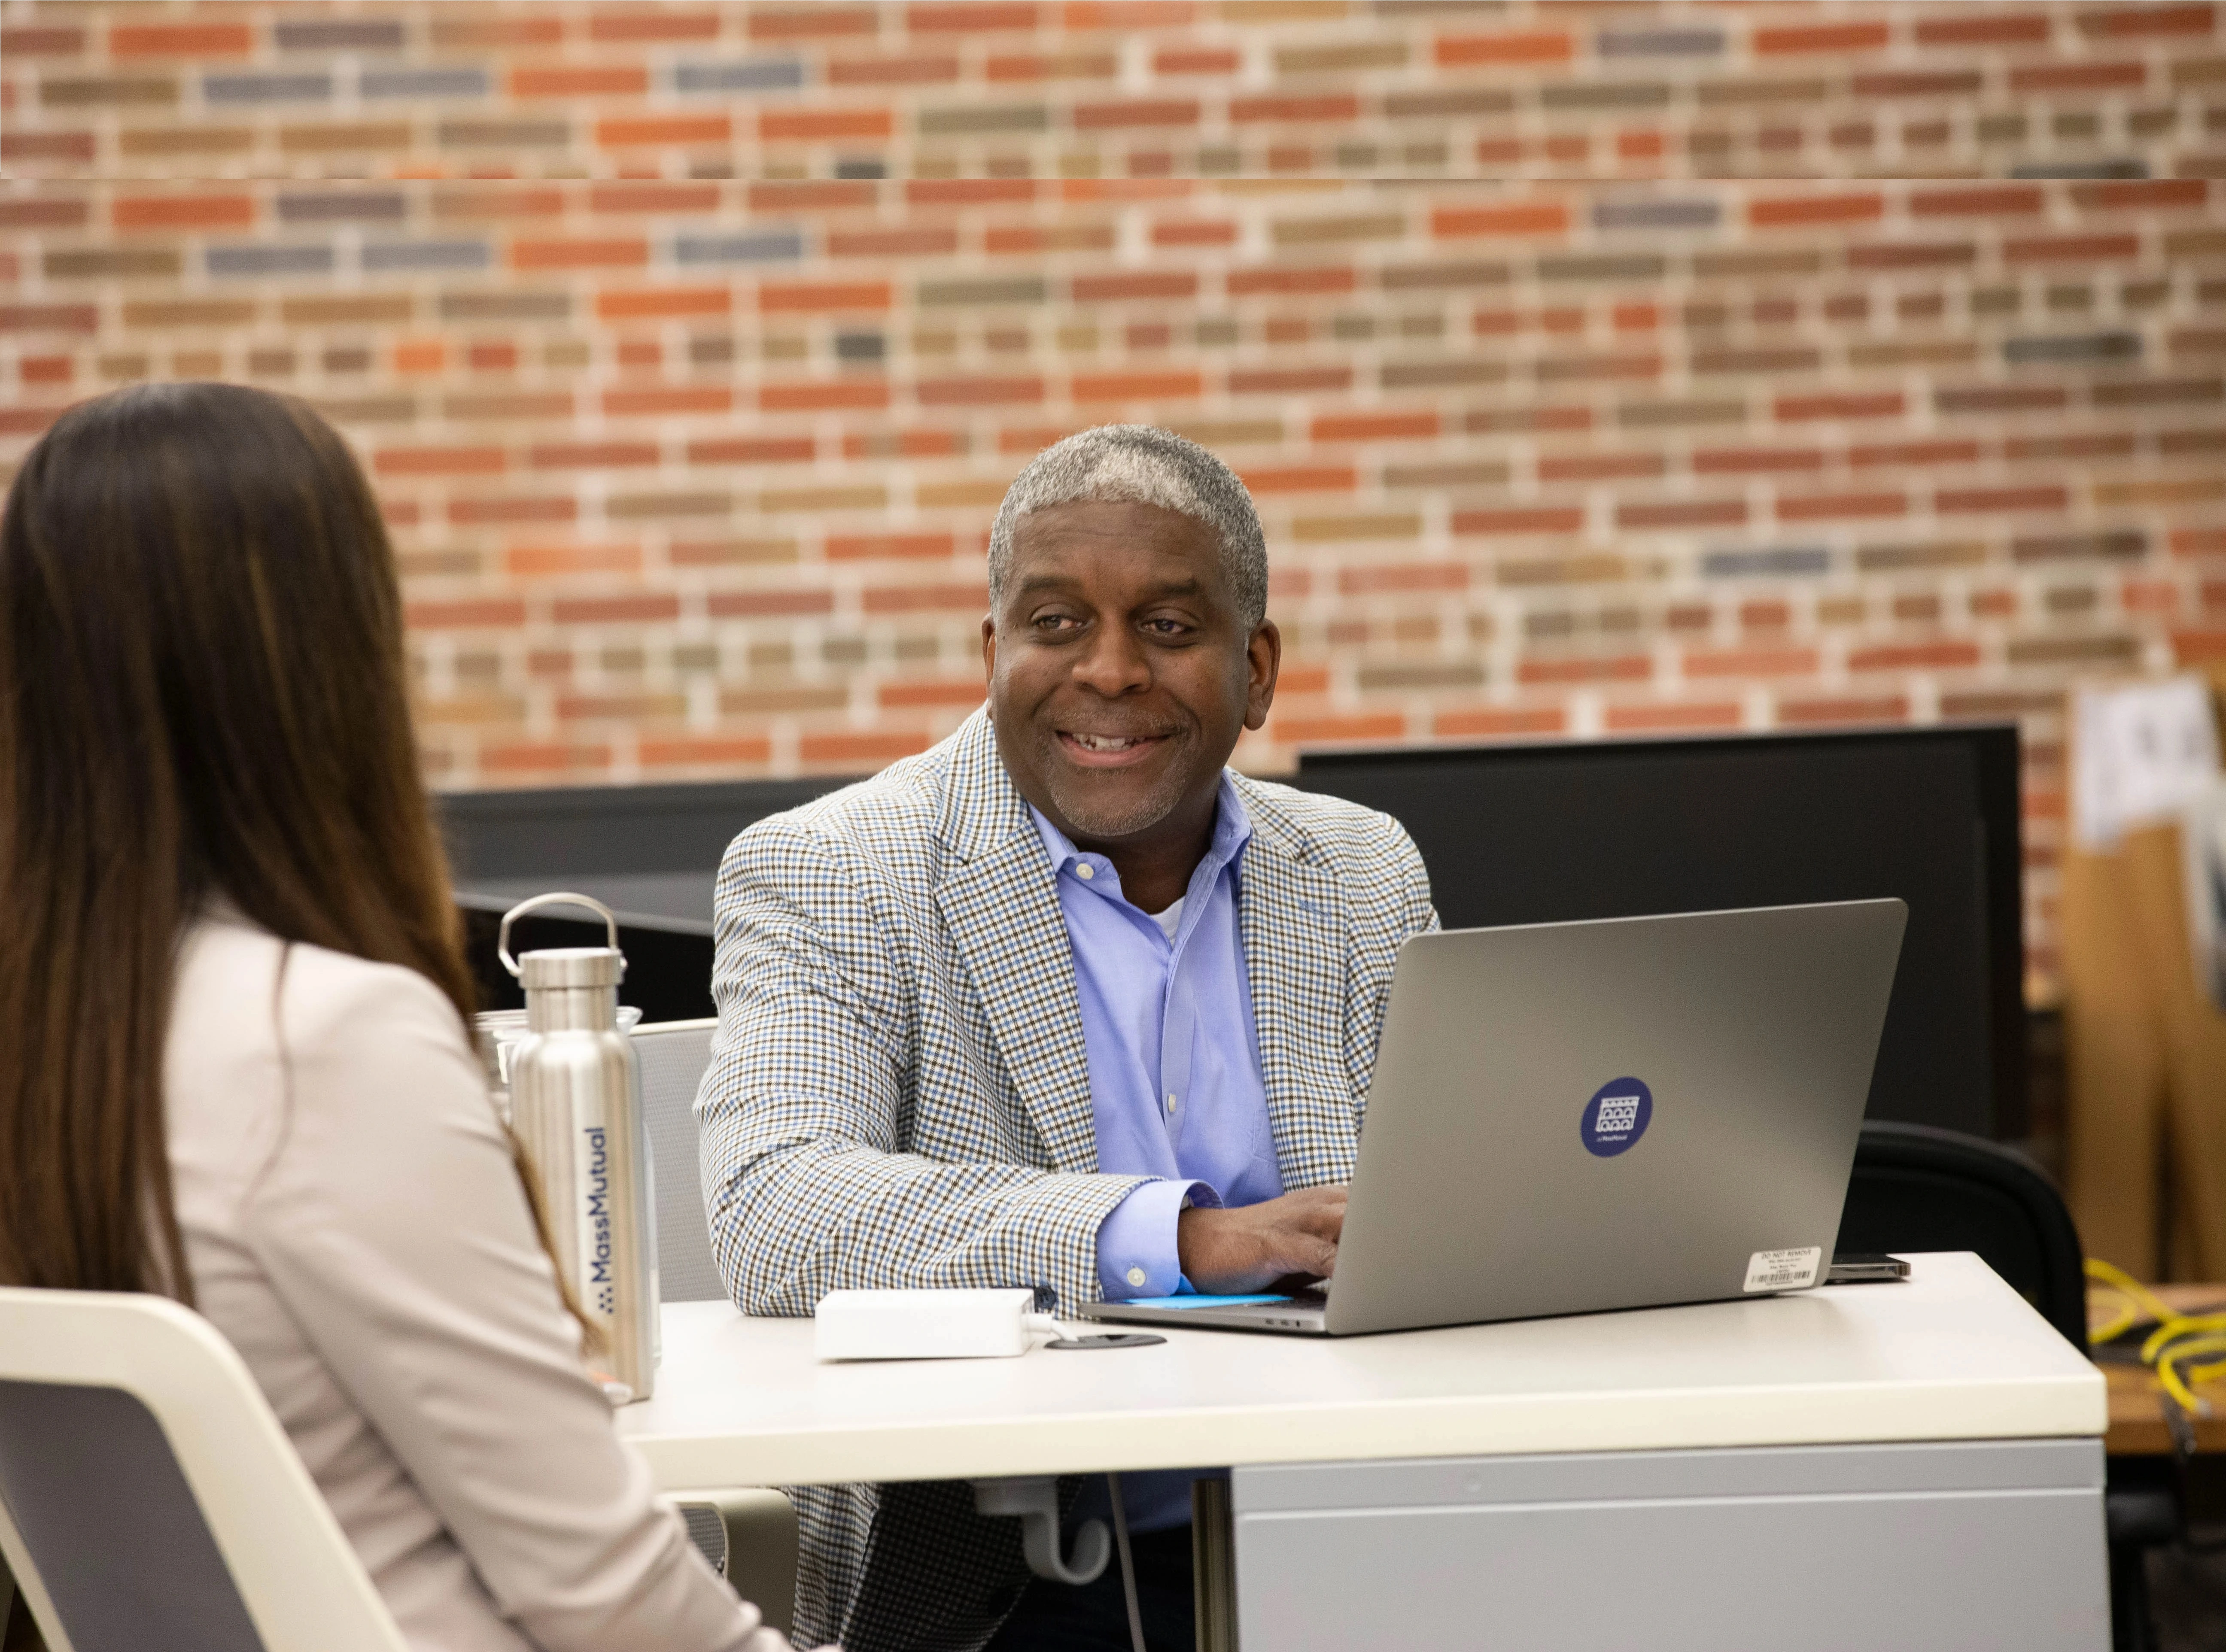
(1325, 1221)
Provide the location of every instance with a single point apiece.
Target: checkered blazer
(899, 1095)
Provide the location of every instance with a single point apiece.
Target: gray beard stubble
(1091, 819)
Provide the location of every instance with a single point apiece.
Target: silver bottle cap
(571, 966)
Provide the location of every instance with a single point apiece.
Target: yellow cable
(2183, 1325)
(2127, 1318)
(2168, 1371)
(2177, 1337)
(2126, 1285)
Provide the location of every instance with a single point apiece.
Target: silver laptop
(1622, 1114)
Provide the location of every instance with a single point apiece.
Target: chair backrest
(1919, 1188)
(148, 1497)
(673, 1055)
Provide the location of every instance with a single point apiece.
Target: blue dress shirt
(1175, 1090)
(1174, 1065)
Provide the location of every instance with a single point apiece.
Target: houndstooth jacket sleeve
(863, 1122)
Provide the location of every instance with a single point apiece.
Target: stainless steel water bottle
(496, 1034)
(576, 1109)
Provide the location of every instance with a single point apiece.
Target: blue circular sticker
(1616, 1117)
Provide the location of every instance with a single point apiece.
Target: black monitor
(650, 853)
(1533, 834)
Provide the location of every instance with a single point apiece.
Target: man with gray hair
(1062, 1002)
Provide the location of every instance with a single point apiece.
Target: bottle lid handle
(560, 898)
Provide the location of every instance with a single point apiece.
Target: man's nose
(1113, 663)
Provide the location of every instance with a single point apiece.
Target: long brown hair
(201, 693)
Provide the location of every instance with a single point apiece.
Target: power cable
(1127, 1565)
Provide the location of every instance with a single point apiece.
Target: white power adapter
(927, 1325)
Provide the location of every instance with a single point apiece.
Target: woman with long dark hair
(234, 1059)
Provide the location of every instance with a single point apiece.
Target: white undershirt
(1170, 920)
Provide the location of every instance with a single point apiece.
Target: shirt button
(1171, 1101)
(1137, 1276)
(1082, 870)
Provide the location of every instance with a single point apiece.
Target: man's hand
(1228, 1253)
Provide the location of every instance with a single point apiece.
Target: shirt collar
(1232, 829)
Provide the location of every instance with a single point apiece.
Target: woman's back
(354, 1226)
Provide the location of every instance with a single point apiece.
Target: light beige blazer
(354, 1225)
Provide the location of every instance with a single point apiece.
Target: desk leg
(1213, 1565)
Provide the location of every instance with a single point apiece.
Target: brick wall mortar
(1697, 370)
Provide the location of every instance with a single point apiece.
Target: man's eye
(1165, 627)
(1056, 622)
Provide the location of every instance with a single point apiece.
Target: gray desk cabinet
(1943, 1547)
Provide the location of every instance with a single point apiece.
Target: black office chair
(1919, 1188)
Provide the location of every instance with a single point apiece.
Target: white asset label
(1782, 1270)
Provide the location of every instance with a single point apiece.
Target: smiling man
(1062, 1002)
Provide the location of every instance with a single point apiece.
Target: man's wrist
(1137, 1247)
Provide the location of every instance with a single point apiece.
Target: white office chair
(754, 1530)
(673, 1055)
(150, 1498)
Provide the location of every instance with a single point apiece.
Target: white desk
(1757, 1460)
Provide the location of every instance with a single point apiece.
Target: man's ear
(1263, 660)
(989, 647)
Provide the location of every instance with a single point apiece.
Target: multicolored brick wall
(1598, 368)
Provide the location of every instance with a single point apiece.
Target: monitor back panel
(1620, 828)
(1581, 1116)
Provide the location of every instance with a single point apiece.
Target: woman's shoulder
(237, 978)
(357, 1071)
